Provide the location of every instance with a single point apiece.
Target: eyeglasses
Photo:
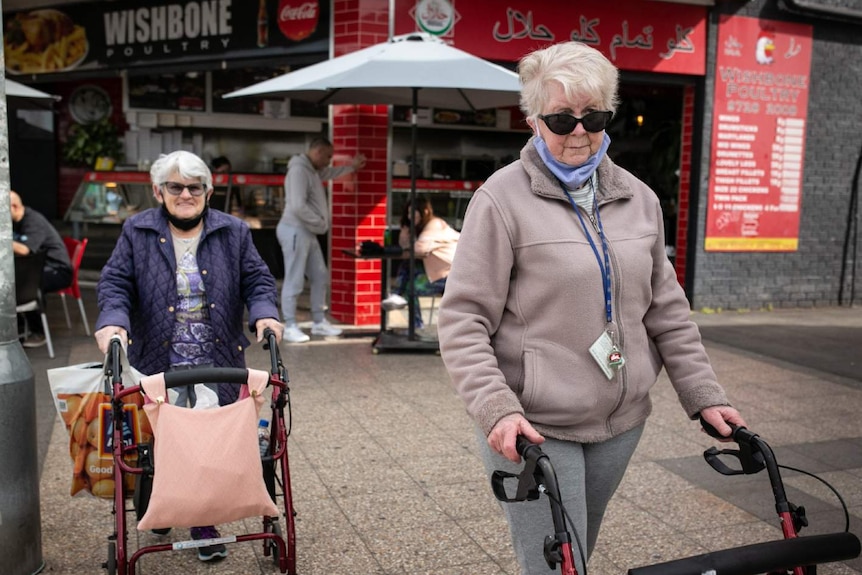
(176, 188)
(562, 124)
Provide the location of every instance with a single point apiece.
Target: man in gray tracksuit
(306, 215)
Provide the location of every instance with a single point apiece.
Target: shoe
(394, 301)
(35, 340)
(162, 531)
(209, 552)
(292, 334)
(325, 329)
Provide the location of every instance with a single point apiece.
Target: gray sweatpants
(302, 257)
(588, 474)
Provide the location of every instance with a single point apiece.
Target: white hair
(581, 70)
(186, 164)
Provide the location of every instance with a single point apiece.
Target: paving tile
(387, 478)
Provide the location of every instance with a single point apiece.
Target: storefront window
(169, 92)
(226, 81)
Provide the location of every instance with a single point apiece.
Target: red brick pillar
(358, 201)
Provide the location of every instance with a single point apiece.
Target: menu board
(758, 135)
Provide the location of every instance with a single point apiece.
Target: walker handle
(206, 375)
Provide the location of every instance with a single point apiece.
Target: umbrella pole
(411, 299)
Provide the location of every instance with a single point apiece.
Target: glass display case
(106, 199)
(109, 198)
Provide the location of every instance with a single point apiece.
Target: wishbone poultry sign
(174, 29)
(203, 27)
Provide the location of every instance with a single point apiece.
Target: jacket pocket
(559, 387)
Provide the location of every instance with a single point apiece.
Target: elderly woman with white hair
(176, 285)
(562, 307)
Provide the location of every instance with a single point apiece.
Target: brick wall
(359, 201)
(810, 276)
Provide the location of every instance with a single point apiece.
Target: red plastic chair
(76, 254)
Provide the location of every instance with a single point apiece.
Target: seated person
(31, 233)
(434, 249)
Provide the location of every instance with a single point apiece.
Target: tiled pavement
(387, 480)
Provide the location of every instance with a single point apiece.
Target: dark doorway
(646, 134)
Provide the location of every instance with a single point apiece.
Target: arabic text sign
(633, 34)
(758, 135)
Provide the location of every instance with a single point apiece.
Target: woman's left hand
(268, 322)
(719, 416)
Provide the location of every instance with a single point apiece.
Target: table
(390, 340)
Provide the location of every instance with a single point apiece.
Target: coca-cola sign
(297, 19)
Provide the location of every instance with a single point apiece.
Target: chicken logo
(764, 48)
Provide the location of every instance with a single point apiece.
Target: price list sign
(758, 135)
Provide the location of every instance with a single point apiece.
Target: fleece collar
(611, 187)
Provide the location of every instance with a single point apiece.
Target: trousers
(302, 258)
(588, 474)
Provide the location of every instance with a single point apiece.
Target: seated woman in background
(434, 249)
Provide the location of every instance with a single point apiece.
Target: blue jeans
(422, 286)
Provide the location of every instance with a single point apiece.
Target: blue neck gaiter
(572, 177)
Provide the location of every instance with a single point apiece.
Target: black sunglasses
(176, 188)
(562, 124)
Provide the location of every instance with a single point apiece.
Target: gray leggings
(588, 475)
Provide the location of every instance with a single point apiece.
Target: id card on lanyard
(604, 350)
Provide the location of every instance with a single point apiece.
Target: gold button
(171, 309)
(239, 347)
(130, 341)
(203, 272)
(212, 305)
(163, 240)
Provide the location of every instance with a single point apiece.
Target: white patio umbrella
(16, 89)
(417, 70)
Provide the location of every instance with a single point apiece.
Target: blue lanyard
(606, 267)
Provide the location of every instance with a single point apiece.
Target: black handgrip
(521, 444)
(206, 375)
(268, 337)
(527, 449)
(766, 557)
(713, 432)
(271, 344)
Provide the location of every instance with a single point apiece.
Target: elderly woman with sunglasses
(562, 307)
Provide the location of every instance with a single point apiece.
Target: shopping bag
(207, 467)
(81, 400)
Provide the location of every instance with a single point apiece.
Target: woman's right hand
(104, 335)
(506, 431)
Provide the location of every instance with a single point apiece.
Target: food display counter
(106, 199)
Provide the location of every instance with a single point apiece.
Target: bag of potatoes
(85, 408)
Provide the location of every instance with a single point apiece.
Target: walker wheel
(111, 563)
(276, 530)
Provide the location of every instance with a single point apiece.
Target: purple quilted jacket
(137, 289)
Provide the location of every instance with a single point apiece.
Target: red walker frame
(792, 555)
(283, 549)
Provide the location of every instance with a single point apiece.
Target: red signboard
(641, 35)
(758, 135)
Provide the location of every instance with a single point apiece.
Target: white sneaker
(394, 301)
(292, 334)
(325, 328)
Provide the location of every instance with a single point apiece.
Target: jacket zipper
(621, 374)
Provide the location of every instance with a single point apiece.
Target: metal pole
(20, 520)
